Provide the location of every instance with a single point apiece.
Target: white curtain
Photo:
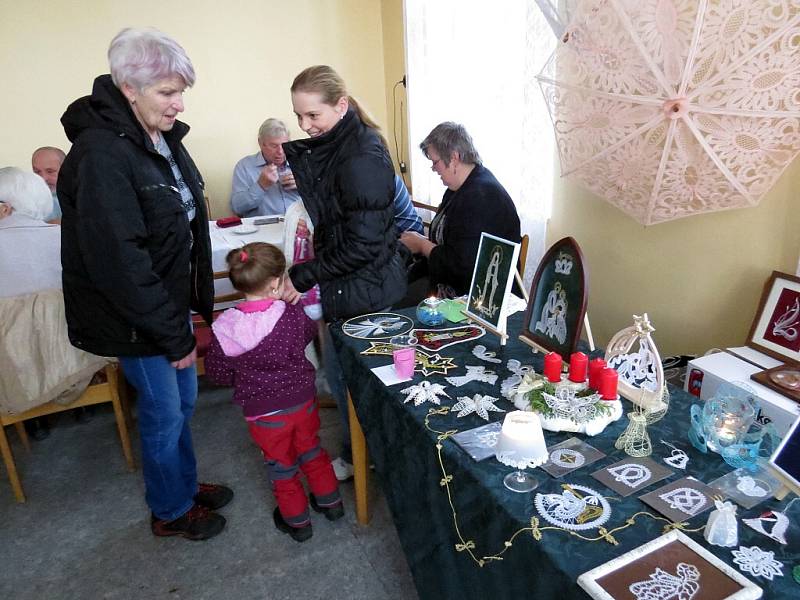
(474, 62)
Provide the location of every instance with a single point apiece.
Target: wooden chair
(428, 207)
(523, 254)
(109, 388)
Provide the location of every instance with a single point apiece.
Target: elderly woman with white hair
(30, 248)
(137, 259)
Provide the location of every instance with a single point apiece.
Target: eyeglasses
(434, 163)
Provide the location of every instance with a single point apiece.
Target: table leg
(360, 464)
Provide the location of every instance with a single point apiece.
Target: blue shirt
(405, 216)
(248, 199)
(55, 212)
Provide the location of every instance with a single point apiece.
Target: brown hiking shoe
(198, 523)
(212, 495)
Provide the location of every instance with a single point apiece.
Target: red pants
(290, 443)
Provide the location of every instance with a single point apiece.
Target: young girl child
(258, 348)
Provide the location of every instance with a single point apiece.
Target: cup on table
(285, 176)
(404, 354)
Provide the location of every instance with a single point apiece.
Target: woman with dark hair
(136, 258)
(473, 203)
(344, 174)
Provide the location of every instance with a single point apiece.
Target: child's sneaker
(332, 513)
(198, 523)
(342, 469)
(298, 534)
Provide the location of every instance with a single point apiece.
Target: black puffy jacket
(133, 266)
(346, 179)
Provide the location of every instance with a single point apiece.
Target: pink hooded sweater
(258, 347)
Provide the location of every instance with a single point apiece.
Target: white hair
(272, 128)
(141, 57)
(25, 192)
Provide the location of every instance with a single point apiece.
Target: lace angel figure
(666, 586)
(552, 322)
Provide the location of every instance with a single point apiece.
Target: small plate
(245, 229)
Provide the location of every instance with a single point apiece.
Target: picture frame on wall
(776, 328)
(492, 277)
(557, 301)
(670, 566)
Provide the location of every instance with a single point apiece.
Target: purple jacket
(259, 349)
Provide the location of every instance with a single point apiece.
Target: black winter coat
(346, 180)
(133, 265)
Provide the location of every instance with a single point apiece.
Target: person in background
(136, 257)
(30, 248)
(258, 347)
(473, 203)
(405, 216)
(263, 183)
(46, 162)
(345, 177)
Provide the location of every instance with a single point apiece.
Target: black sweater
(480, 205)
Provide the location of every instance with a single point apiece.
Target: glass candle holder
(429, 312)
(521, 444)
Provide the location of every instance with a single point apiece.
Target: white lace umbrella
(668, 108)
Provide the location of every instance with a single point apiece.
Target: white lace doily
(577, 508)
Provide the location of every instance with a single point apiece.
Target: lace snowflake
(758, 562)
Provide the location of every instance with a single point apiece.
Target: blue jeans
(336, 383)
(166, 399)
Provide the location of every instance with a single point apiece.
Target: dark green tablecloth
(407, 464)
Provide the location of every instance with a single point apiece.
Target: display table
(450, 527)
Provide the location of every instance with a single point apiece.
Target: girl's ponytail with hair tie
(243, 256)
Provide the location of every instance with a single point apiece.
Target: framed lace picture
(669, 567)
(557, 300)
(776, 328)
(492, 278)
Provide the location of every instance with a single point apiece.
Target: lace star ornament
(478, 404)
(424, 392)
(758, 562)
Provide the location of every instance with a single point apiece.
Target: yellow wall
(245, 53)
(394, 65)
(699, 278)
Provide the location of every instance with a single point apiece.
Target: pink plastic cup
(404, 355)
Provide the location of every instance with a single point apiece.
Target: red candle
(552, 367)
(578, 364)
(608, 384)
(595, 366)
